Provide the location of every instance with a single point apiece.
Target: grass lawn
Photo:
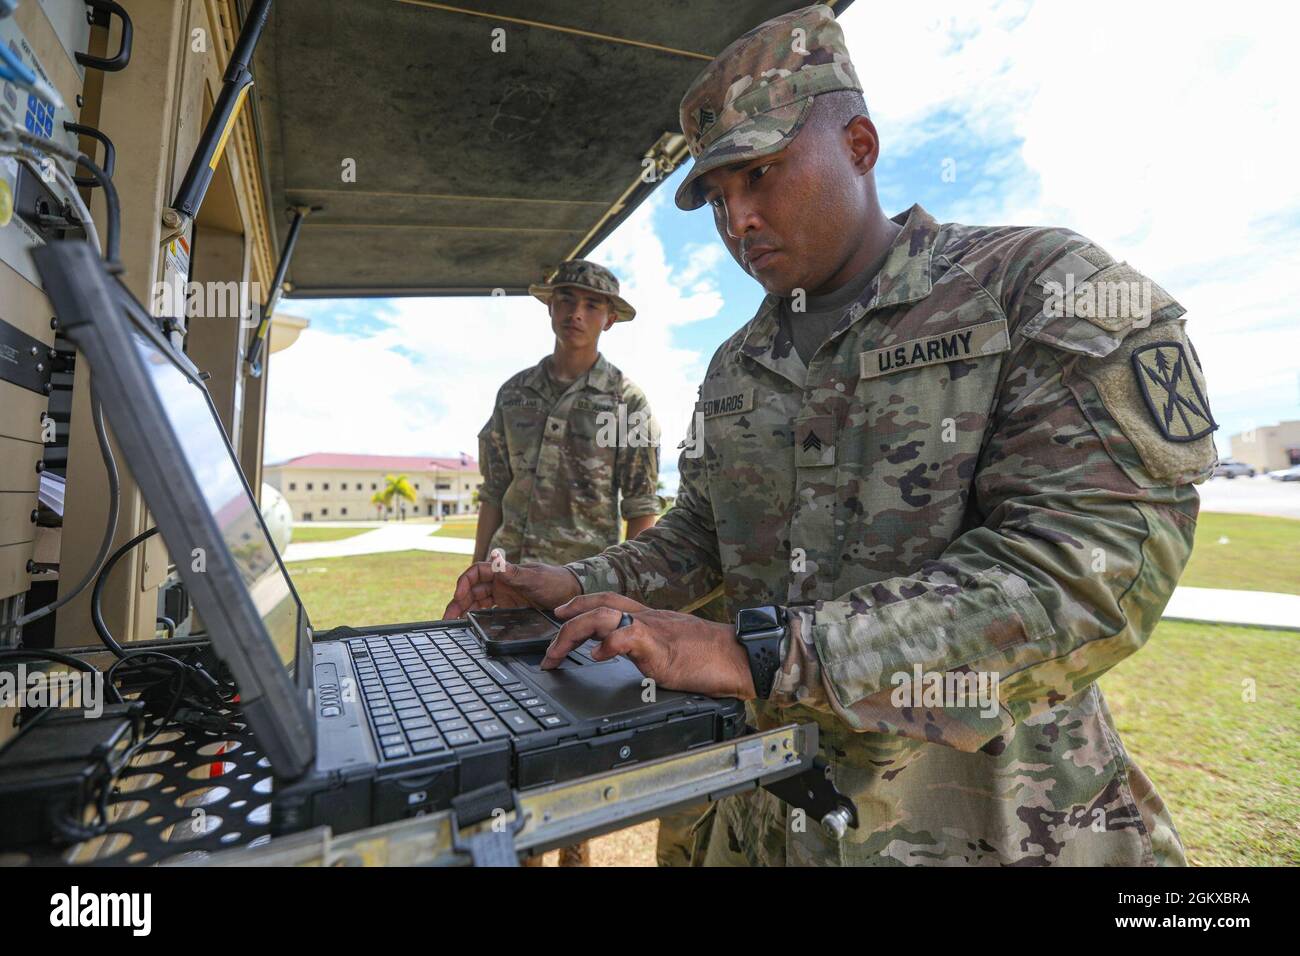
(1228, 768)
(465, 527)
(377, 588)
(1260, 554)
(303, 533)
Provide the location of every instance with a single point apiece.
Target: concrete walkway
(1202, 605)
(1253, 496)
(383, 538)
(1246, 608)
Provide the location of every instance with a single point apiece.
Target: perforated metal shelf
(188, 793)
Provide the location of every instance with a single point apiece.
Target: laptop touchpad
(595, 690)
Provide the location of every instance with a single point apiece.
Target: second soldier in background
(571, 445)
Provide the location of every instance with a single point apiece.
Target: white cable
(92, 234)
(70, 187)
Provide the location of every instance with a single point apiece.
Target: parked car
(1286, 474)
(1231, 468)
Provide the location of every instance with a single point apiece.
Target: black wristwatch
(760, 630)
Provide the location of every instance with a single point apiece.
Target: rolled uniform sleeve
(1088, 517)
(673, 563)
(494, 458)
(637, 468)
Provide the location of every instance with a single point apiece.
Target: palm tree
(397, 487)
(377, 499)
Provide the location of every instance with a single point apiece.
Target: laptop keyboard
(430, 690)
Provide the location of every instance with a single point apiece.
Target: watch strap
(761, 631)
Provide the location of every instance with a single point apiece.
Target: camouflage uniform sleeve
(1087, 515)
(637, 469)
(675, 562)
(494, 458)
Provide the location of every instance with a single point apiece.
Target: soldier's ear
(610, 320)
(864, 142)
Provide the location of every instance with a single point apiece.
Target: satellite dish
(278, 517)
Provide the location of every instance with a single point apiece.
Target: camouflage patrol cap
(582, 274)
(755, 96)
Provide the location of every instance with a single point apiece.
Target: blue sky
(1161, 131)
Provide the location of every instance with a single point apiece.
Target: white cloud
(1166, 132)
(425, 382)
(666, 299)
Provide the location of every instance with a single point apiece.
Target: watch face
(763, 618)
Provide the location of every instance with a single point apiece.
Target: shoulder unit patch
(1174, 399)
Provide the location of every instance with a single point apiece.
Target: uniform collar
(903, 277)
(600, 376)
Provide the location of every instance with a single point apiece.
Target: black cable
(179, 677)
(34, 654)
(203, 682)
(110, 525)
(97, 595)
(113, 232)
(182, 673)
(72, 829)
(21, 654)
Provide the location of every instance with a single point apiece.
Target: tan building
(325, 486)
(1269, 448)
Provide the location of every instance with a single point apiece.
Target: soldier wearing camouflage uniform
(557, 473)
(981, 471)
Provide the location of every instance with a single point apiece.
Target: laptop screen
(203, 441)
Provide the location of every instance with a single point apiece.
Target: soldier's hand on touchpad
(676, 651)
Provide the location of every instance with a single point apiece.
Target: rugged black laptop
(361, 725)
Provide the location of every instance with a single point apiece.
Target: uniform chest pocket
(598, 424)
(744, 433)
(524, 423)
(725, 419)
(921, 407)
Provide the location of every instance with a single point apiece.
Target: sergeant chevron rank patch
(1172, 395)
(814, 441)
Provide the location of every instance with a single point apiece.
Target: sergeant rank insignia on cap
(705, 118)
(1172, 395)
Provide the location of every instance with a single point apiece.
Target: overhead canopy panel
(457, 149)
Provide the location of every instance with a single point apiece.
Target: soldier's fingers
(460, 592)
(637, 644)
(507, 580)
(588, 602)
(622, 641)
(595, 624)
(468, 578)
(460, 597)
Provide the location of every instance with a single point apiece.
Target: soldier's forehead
(706, 179)
(581, 293)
